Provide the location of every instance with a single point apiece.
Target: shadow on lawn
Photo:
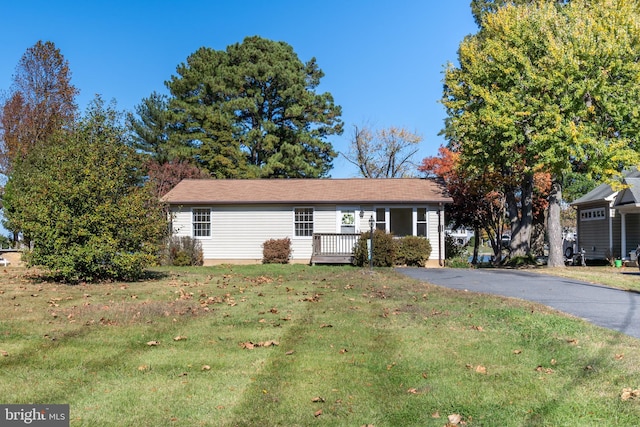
(43, 276)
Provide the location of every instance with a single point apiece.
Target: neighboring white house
(460, 235)
(233, 218)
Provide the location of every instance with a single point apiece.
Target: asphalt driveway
(611, 308)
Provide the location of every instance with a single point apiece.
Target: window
(401, 221)
(303, 222)
(348, 221)
(592, 214)
(421, 222)
(201, 223)
(381, 219)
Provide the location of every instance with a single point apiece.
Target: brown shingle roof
(316, 191)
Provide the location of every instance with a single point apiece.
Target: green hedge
(413, 251)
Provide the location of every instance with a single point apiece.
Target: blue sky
(382, 61)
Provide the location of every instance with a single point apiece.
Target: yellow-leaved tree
(547, 87)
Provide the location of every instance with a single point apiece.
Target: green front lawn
(302, 346)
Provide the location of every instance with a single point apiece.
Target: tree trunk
(554, 227)
(521, 218)
(476, 245)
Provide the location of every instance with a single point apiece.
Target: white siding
(238, 232)
(432, 235)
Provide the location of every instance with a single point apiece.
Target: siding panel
(238, 232)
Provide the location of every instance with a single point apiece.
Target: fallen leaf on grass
(251, 345)
(628, 393)
(517, 351)
(290, 352)
(153, 343)
(454, 419)
(317, 413)
(481, 369)
(4, 353)
(343, 351)
(324, 325)
(143, 368)
(540, 368)
(619, 356)
(317, 399)
(179, 338)
(206, 368)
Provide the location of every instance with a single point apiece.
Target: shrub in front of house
(452, 249)
(413, 251)
(183, 251)
(384, 250)
(458, 262)
(276, 251)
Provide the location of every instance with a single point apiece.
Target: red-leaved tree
(41, 102)
(166, 175)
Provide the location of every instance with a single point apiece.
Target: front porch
(333, 248)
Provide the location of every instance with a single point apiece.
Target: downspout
(440, 240)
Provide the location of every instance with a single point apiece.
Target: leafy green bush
(81, 199)
(451, 248)
(413, 251)
(183, 251)
(458, 262)
(276, 251)
(384, 251)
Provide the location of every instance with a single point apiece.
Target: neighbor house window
(303, 222)
(592, 214)
(201, 223)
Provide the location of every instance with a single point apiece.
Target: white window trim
(210, 224)
(426, 220)
(340, 210)
(414, 217)
(293, 222)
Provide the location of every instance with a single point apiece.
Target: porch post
(611, 230)
(623, 236)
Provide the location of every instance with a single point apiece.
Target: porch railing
(332, 248)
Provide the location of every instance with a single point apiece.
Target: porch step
(331, 259)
